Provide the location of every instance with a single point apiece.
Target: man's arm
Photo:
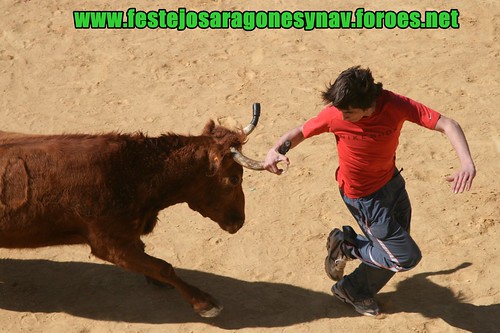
(462, 179)
(273, 157)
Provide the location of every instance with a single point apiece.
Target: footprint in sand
(257, 56)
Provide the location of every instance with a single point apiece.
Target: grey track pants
(386, 247)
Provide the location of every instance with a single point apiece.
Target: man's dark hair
(354, 88)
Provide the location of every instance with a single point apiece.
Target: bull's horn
(245, 161)
(237, 155)
(256, 114)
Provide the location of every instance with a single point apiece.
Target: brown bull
(107, 190)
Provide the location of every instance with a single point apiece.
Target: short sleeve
(417, 112)
(319, 124)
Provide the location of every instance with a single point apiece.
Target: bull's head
(223, 199)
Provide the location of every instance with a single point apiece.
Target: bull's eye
(234, 180)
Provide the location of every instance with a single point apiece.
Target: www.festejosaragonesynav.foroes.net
(182, 19)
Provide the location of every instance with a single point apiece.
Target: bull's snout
(233, 227)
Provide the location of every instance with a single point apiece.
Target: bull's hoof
(210, 313)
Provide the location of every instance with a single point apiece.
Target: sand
(269, 276)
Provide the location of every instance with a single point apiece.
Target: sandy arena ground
(269, 276)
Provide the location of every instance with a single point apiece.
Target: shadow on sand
(105, 292)
(418, 294)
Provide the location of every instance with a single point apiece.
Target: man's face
(354, 114)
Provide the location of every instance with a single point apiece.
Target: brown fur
(107, 190)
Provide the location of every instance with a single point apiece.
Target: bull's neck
(184, 163)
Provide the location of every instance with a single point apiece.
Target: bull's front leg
(158, 284)
(133, 258)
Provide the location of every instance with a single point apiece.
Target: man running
(366, 121)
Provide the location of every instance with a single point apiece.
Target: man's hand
(272, 160)
(462, 179)
(291, 139)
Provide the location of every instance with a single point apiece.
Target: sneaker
(336, 259)
(367, 307)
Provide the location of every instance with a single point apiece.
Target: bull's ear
(209, 128)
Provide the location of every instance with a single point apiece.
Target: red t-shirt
(367, 148)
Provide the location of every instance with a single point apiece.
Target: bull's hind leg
(133, 258)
